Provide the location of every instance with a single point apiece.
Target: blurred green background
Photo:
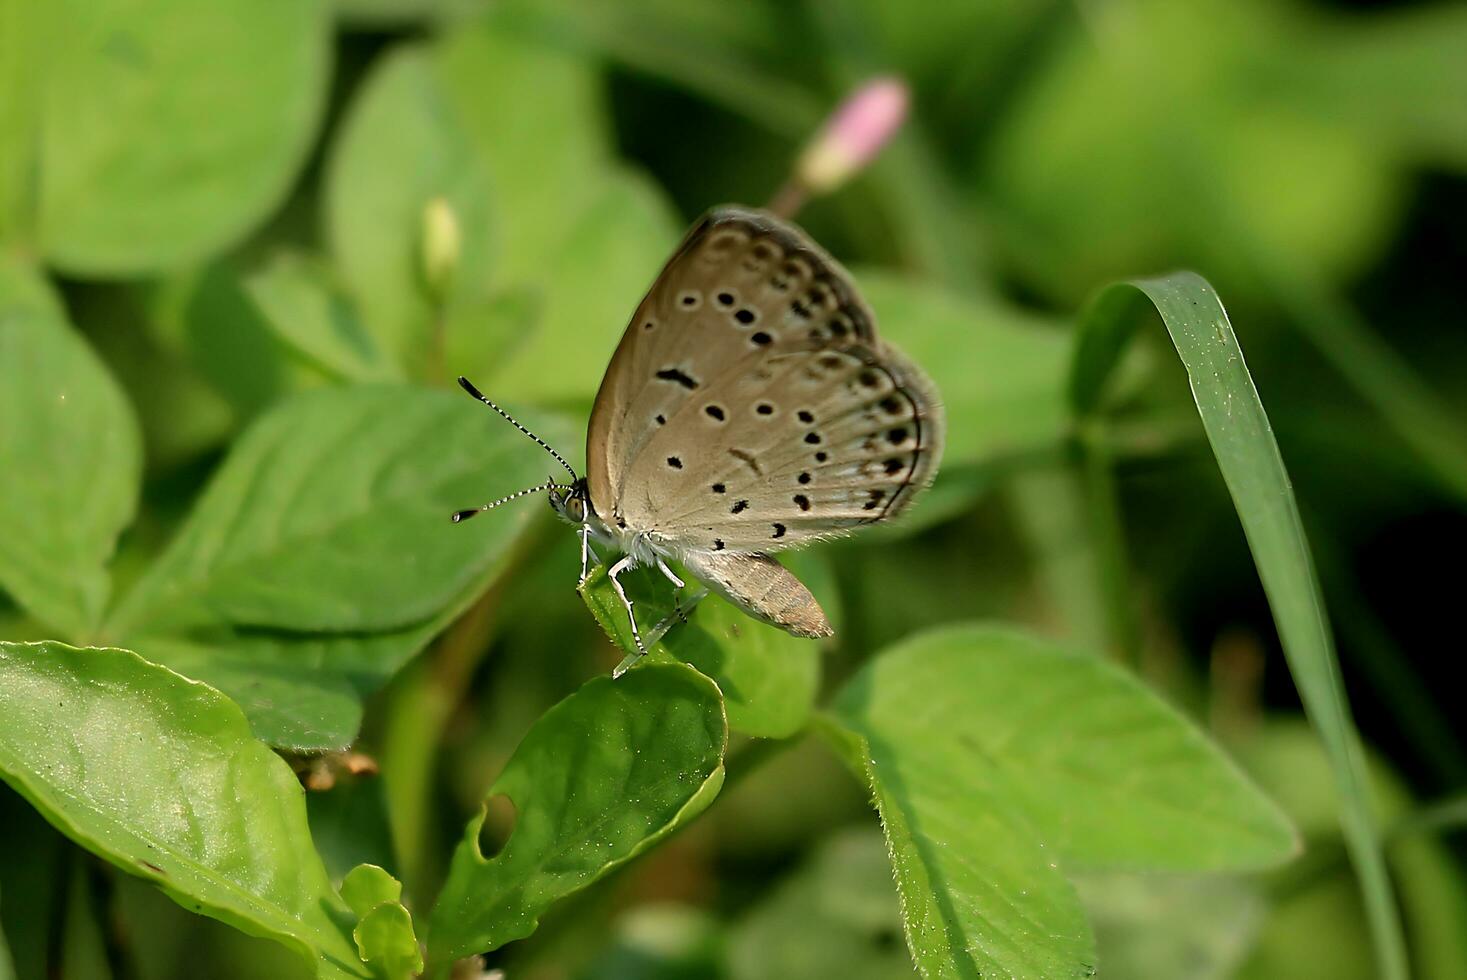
(229, 197)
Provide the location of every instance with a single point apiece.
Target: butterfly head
(572, 501)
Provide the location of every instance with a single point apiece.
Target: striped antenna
(468, 386)
(464, 515)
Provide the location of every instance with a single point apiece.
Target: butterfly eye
(576, 508)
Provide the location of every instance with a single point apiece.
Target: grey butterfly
(749, 408)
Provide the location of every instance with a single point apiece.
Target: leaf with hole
(601, 776)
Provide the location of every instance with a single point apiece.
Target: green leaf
(602, 268)
(386, 942)
(536, 117)
(835, 916)
(980, 896)
(1001, 372)
(597, 780)
(73, 460)
(1242, 441)
(1107, 774)
(301, 304)
(384, 933)
(171, 127)
(331, 513)
(768, 678)
(400, 147)
(291, 687)
(367, 886)
(160, 776)
(303, 691)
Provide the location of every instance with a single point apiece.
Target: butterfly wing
(761, 587)
(751, 405)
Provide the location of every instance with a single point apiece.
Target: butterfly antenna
(468, 386)
(464, 515)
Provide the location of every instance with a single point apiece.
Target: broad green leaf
(384, 932)
(1242, 441)
(536, 119)
(160, 776)
(291, 687)
(73, 460)
(837, 915)
(599, 778)
(171, 127)
(331, 513)
(302, 305)
(303, 691)
(401, 146)
(1106, 774)
(602, 267)
(205, 317)
(980, 896)
(768, 677)
(1001, 372)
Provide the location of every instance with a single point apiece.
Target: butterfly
(750, 408)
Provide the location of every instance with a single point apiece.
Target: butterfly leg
(662, 566)
(585, 532)
(679, 614)
(626, 565)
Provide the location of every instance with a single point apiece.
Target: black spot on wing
(677, 377)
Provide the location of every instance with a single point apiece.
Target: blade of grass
(1242, 441)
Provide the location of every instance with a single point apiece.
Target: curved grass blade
(1242, 441)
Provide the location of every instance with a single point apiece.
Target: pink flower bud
(854, 134)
